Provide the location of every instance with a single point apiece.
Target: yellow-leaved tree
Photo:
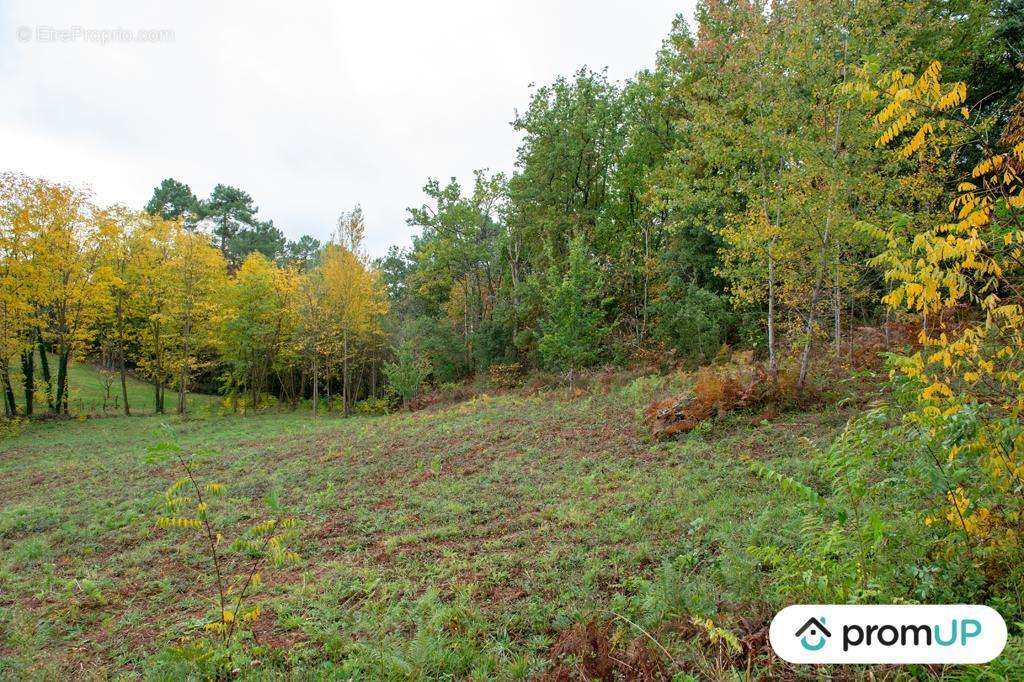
(257, 327)
(355, 304)
(963, 277)
(19, 282)
(149, 272)
(72, 279)
(198, 279)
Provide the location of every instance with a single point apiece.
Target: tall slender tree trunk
(122, 370)
(837, 303)
(183, 377)
(805, 358)
(10, 406)
(29, 378)
(373, 377)
(44, 366)
(316, 385)
(61, 400)
(327, 390)
(773, 358)
(344, 372)
(124, 381)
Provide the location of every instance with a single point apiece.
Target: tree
(174, 200)
(962, 276)
(257, 326)
(313, 328)
(304, 253)
(120, 234)
(352, 230)
(198, 282)
(355, 302)
(573, 328)
(151, 293)
(262, 238)
(408, 372)
(230, 210)
(73, 282)
(19, 282)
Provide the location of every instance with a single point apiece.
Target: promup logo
(955, 633)
(817, 629)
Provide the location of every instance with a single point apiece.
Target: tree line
(717, 197)
(154, 293)
(720, 196)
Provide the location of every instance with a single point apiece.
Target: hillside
(461, 541)
(95, 391)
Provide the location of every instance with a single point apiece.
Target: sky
(311, 107)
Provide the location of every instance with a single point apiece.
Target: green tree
(573, 328)
(172, 200)
(230, 210)
(408, 372)
(262, 238)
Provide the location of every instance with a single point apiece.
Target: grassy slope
(88, 391)
(452, 540)
(457, 542)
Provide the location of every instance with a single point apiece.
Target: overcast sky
(311, 107)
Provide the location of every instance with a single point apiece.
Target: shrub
(200, 510)
(372, 406)
(691, 320)
(573, 327)
(441, 346)
(407, 374)
(506, 376)
(735, 384)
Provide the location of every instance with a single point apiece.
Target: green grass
(459, 542)
(454, 541)
(93, 391)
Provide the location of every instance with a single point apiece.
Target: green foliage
(861, 536)
(408, 372)
(173, 200)
(230, 210)
(573, 328)
(372, 406)
(440, 346)
(693, 320)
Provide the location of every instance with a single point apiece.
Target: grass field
(449, 541)
(93, 391)
(459, 542)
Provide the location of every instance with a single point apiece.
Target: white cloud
(311, 109)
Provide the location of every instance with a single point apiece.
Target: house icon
(815, 628)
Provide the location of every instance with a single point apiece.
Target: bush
(506, 376)
(493, 340)
(407, 374)
(441, 346)
(372, 406)
(573, 327)
(693, 321)
(202, 510)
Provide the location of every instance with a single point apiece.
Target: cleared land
(454, 541)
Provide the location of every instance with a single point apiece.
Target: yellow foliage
(971, 265)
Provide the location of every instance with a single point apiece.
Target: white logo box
(835, 633)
